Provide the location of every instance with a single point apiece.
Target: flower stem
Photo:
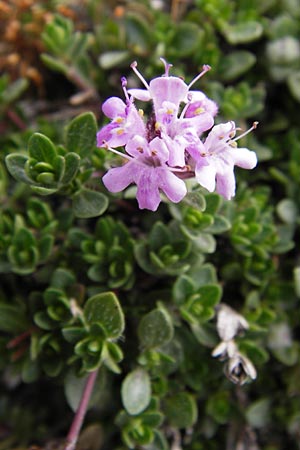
(74, 431)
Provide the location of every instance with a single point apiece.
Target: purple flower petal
(147, 190)
(118, 178)
(174, 188)
(114, 107)
(140, 94)
(244, 158)
(170, 89)
(226, 183)
(206, 176)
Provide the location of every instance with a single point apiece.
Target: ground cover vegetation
(139, 260)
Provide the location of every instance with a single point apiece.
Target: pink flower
(126, 123)
(147, 169)
(215, 164)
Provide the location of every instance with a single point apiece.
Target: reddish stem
(74, 431)
(16, 119)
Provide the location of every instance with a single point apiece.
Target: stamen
(124, 87)
(167, 66)
(205, 69)
(189, 98)
(123, 155)
(139, 75)
(254, 126)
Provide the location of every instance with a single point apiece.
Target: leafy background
(89, 281)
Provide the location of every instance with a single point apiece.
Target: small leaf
(294, 85)
(196, 200)
(45, 244)
(183, 288)
(15, 164)
(14, 90)
(41, 148)
(74, 386)
(187, 38)
(12, 319)
(104, 309)
(108, 60)
(287, 211)
(181, 410)
(87, 203)
(155, 328)
(258, 414)
(81, 134)
(297, 280)
(72, 162)
(136, 391)
(54, 63)
(235, 64)
(243, 32)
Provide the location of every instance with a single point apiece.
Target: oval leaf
(136, 391)
(155, 329)
(81, 134)
(181, 410)
(88, 204)
(105, 309)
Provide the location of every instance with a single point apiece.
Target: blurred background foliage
(69, 277)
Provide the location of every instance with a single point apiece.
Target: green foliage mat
(88, 281)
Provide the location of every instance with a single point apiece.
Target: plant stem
(74, 431)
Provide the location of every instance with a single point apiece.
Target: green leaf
(138, 33)
(41, 148)
(186, 38)
(181, 410)
(62, 278)
(44, 190)
(14, 90)
(12, 319)
(73, 334)
(183, 288)
(235, 64)
(81, 134)
(45, 245)
(88, 204)
(54, 63)
(244, 32)
(287, 211)
(136, 391)
(74, 385)
(108, 60)
(105, 309)
(258, 414)
(219, 406)
(15, 164)
(72, 163)
(293, 82)
(196, 200)
(297, 280)
(155, 328)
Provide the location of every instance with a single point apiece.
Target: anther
(205, 69)
(254, 126)
(139, 75)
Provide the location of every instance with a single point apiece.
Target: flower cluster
(168, 147)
